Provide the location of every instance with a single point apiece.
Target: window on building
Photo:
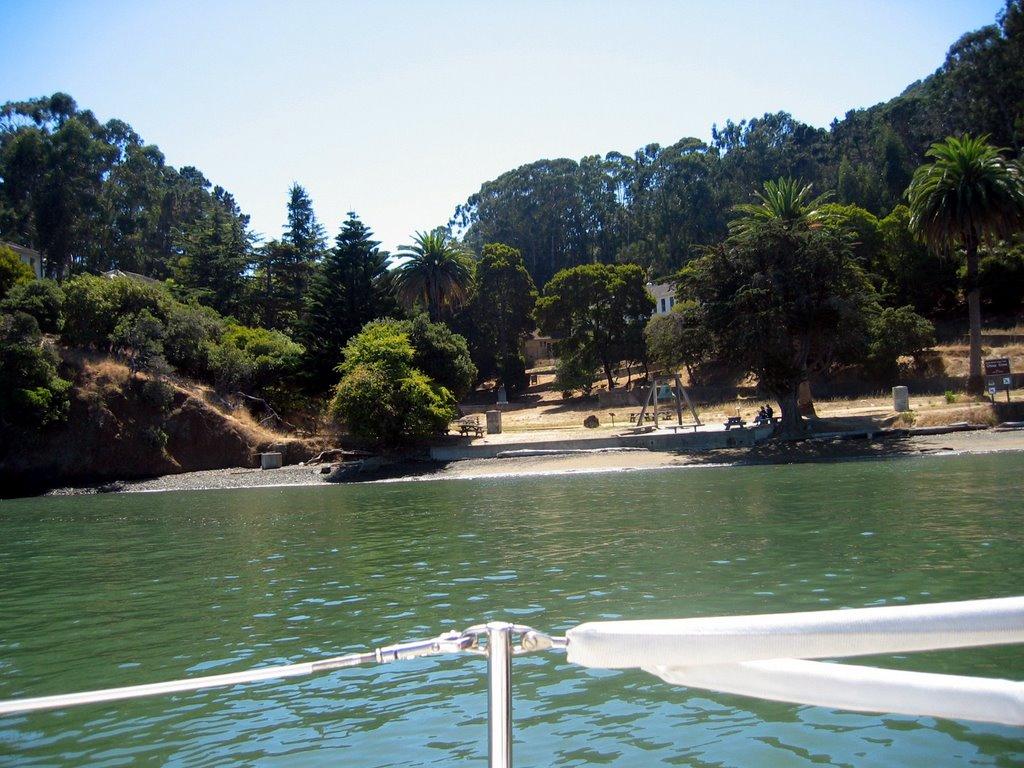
(662, 305)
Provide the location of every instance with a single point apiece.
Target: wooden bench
(734, 421)
(676, 427)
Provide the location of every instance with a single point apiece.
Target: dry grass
(978, 413)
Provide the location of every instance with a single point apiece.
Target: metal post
(499, 694)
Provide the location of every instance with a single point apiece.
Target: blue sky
(400, 111)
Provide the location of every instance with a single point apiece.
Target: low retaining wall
(687, 442)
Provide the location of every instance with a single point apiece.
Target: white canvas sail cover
(764, 655)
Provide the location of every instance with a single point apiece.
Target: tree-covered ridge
(658, 205)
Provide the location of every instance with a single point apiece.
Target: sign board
(992, 391)
(997, 366)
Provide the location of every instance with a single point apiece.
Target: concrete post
(900, 399)
(494, 422)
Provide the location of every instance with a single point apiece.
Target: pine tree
(307, 241)
(350, 287)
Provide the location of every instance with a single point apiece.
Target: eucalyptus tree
(436, 274)
(967, 195)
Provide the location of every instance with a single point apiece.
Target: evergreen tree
(306, 241)
(349, 288)
(216, 252)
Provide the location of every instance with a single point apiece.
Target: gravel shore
(982, 441)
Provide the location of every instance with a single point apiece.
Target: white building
(33, 258)
(664, 295)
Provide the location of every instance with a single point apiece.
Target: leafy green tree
(350, 287)
(968, 195)
(382, 397)
(499, 316)
(896, 332)
(13, 270)
(441, 354)
(1001, 275)
(780, 288)
(675, 339)
(436, 275)
(32, 394)
(908, 272)
(576, 370)
(42, 299)
(597, 307)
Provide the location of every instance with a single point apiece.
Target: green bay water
(113, 590)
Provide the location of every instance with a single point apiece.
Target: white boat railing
(767, 656)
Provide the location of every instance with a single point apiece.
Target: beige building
(33, 258)
(664, 295)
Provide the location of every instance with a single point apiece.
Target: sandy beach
(582, 462)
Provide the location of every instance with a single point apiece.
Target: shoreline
(597, 461)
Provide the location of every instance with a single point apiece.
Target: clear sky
(400, 111)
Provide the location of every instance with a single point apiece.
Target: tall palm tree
(437, 273)
(970, 194)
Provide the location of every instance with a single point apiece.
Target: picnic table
(650, 416)
(470, 425)
(734, 421)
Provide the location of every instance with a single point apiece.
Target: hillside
(121, 428)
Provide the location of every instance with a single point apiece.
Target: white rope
(16, 706)
(763, 656)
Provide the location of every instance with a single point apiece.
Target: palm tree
(437, 273)
(784, 200)
(970, 194)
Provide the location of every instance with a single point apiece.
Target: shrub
(13, 271)
(43, 299)
(32, 395)
(254, 358)
(139, 339)
(950, 397)
(192, 331)
(93, 306)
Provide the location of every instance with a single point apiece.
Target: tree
(895, 333)
(32, 395)
(499, 316)
(139, 339)
(349, 288)
(780, 288)
(13, 270)
(436, 274)
(302, 247)
(440, 353)
(303, 231)
(674, 340)
(42, 299)
(274, 297)
(382, 397)
(216, 252)
(597, 307)
(968, 195)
